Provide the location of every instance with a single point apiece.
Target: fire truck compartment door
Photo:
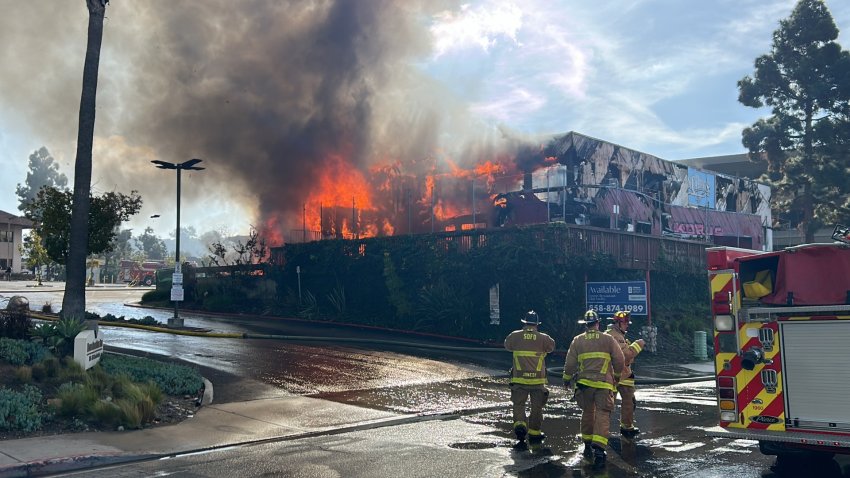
(815, 364)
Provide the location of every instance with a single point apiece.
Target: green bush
(59, 336)
(107, 396)
(23, 374)
(19, 410)
(76, 399)
(14, 324)
(170, 378)
(146, 320)
(156, 295)
(106, 413)
(131, 415)
(21, 352)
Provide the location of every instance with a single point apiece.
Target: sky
(276, 93)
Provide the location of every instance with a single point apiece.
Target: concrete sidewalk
(214, 426)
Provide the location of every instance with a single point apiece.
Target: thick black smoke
(265, 91)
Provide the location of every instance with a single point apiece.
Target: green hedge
(171, 379)
(441, 285)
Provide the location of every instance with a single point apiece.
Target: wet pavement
(469, 388)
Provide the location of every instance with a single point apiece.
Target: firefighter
(594, 363)
(528, 376)
(626, 385)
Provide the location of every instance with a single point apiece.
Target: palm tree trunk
(74, 301)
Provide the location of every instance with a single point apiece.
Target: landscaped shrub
(21, 352)
(146, 320)
(76, 399)
(106, 413)
(59, 336)
(171, 379)
(156, 295)
(23, 374)
(19, 410)
(14, 324)
(104, 397)
(131, 416)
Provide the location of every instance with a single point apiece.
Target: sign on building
(610, 297)
(701, 188)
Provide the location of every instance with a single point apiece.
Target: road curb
(66, 464)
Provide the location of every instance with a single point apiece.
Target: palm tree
(74, 301)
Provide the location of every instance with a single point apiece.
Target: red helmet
(622, 316)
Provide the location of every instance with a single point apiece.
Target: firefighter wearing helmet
(594, 363)
(528, 376)
(626, 385)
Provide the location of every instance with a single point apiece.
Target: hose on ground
(559, 372)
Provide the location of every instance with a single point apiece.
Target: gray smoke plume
(271, 94)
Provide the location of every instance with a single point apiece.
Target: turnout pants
(519, 396)
(627, 406)
(596, 406)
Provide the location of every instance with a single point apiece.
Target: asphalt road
(467, 388)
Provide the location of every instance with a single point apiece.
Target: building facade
(11, 237)
(588, 181)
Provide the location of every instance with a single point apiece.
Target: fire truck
(140, 273)
(782, 346)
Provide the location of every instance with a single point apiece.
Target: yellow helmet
(622, 316)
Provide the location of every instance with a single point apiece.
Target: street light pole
(177, 278)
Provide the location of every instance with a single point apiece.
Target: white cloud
(481, 25)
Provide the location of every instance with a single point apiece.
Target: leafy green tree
(51, 211)
(151, 245)
(43, 171)
(121, 248)
(805, 80)
(74, 300)
(36, 255)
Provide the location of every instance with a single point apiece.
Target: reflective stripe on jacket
(630, 351)
(594, 359)
(529, 347)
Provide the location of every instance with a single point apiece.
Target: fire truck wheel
(148, 281)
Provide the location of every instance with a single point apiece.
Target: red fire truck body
(140, 273)
(782, 346)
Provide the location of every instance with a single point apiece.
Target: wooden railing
(629, 250)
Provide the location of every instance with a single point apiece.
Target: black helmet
(531, 318)
(590, 318)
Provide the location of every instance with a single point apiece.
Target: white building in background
(11, 237)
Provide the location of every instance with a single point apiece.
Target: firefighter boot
(588, 451)
(599, 457)
(521, 431)
(536, 437)
(630, 432)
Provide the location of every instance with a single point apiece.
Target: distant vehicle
(140, 273)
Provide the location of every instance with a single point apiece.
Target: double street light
(177, 278)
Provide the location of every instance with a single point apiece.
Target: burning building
(570, 178)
